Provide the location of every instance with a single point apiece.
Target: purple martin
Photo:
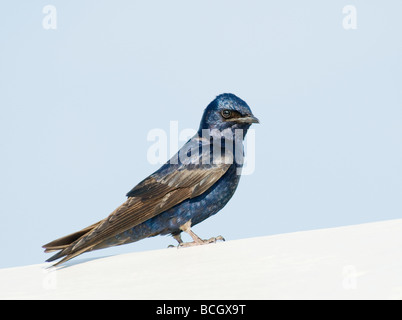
(193, 185)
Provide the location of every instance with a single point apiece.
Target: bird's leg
(197, 240)
(178, 239)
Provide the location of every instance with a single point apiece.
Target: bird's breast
(215, 198)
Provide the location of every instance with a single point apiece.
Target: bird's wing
(154, 195)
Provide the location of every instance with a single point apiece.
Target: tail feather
(65, 243)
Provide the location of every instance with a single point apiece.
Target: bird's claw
(215, 239)
(198, 243)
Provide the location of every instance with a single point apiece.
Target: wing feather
(154, 195)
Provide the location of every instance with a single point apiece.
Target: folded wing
(154, 195)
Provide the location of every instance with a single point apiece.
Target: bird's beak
(247, 119)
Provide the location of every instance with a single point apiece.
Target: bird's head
(227, 111)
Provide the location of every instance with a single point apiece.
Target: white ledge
(353, 262)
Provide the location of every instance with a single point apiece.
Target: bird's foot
(199, 242)
(215, 239)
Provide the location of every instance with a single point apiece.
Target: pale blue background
(77, 103)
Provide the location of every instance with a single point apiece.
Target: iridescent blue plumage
(217, 196)
(193, 185)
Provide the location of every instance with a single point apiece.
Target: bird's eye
(226, 114)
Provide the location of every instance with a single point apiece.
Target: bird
(196, 183)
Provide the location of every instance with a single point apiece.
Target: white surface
(354, 262)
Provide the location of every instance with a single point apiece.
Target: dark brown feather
(65, 241)
(151, 197)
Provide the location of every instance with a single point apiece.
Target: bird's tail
(64, 243)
